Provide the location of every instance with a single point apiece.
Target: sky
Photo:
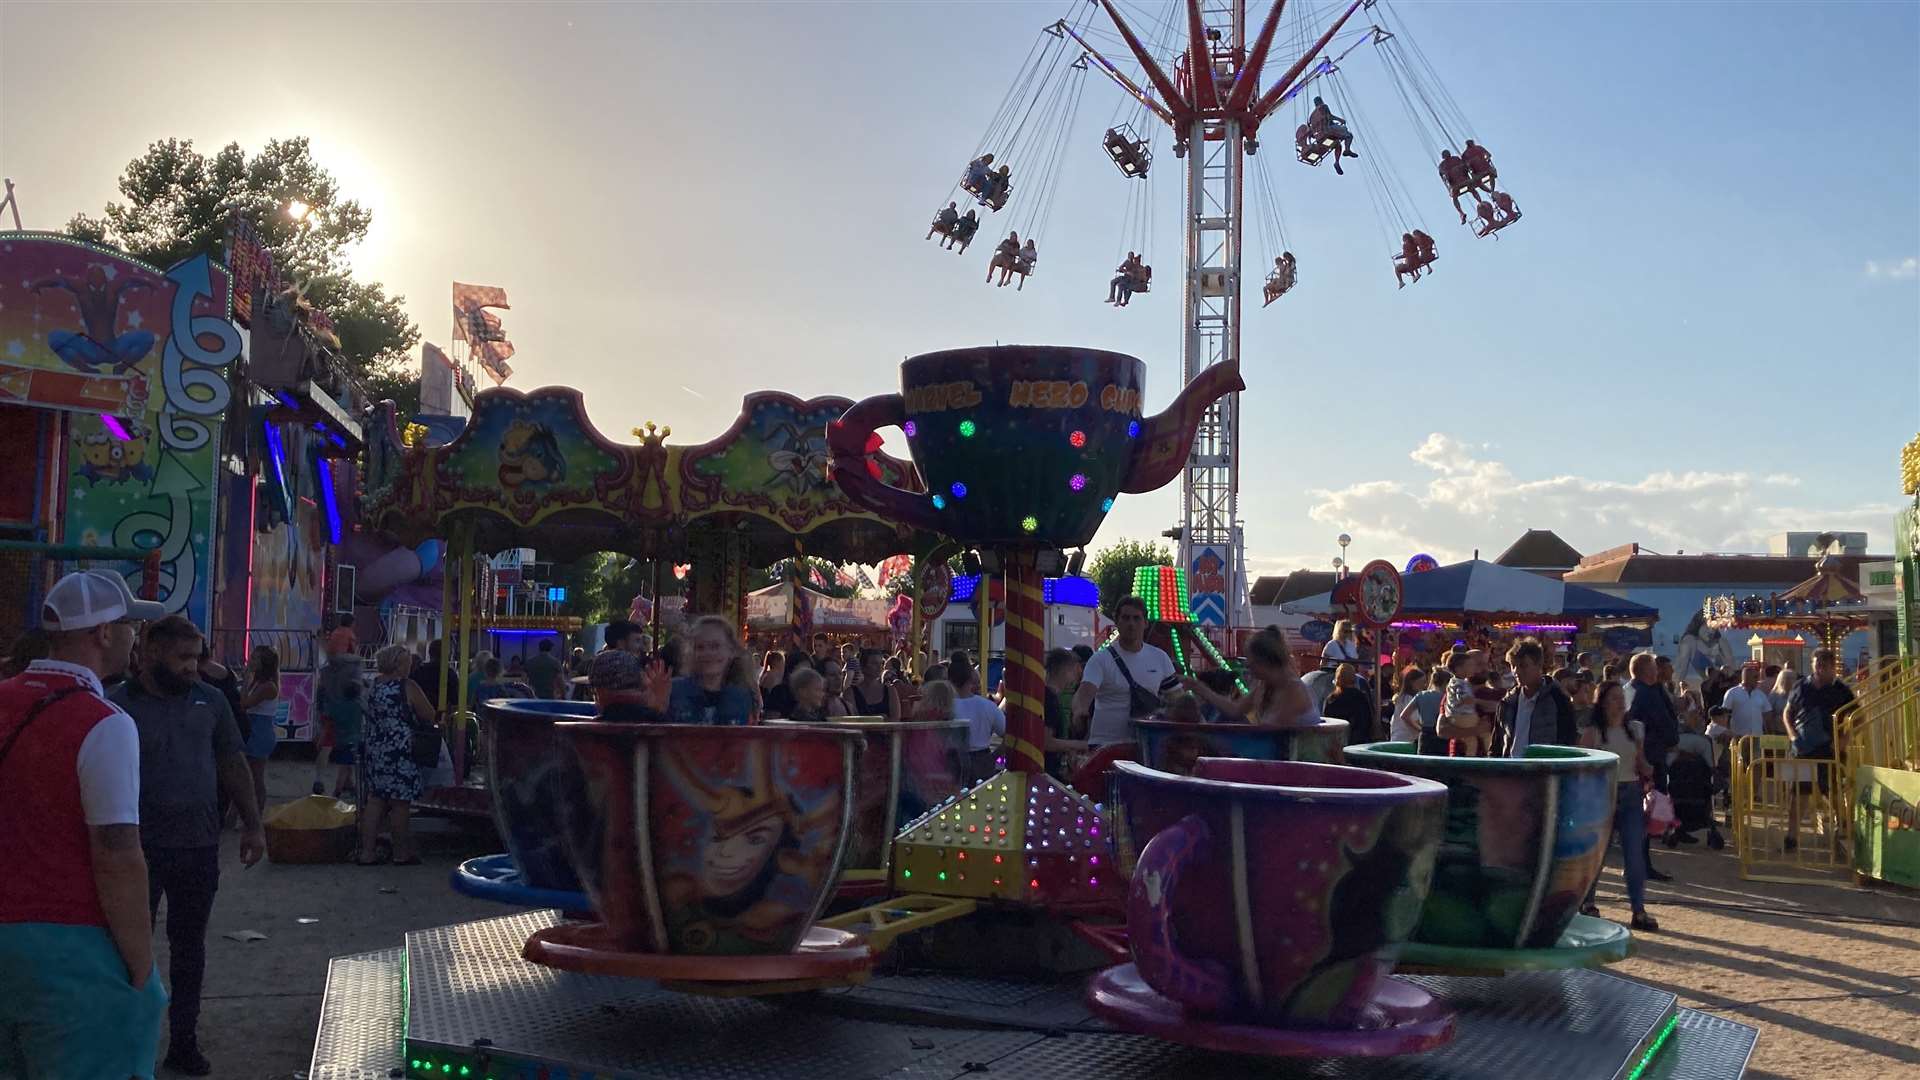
(1705, 330)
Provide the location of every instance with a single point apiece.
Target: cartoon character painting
(530, 454)
(799, 460)
(749, 849)
(96, 348)
(107, 457)
(1209, 574)
(1702, 648)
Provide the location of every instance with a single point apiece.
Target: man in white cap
(79, 995)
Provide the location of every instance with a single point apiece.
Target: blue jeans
(1630, 822)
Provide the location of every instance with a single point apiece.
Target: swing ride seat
(1312, 148)
(1279, 285)
(1141, 282)
(1484, 228)
(1402, 264)
(988, 194)
(1128, 151)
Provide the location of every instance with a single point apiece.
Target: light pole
(1343, 540)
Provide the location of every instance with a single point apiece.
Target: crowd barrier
(1767, 780)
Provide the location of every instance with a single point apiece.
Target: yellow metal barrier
(1881, 727)
(1773, 792)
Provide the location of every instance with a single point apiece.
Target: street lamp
(1343, 540)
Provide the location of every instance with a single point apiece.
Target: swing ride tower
(1213, 103)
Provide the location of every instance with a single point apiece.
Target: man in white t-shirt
(1749, 704)
(1106, 688)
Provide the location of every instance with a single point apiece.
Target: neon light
(278, 452)
(1659, 1041)
(253, 521)
(331, 499)
(115, 428)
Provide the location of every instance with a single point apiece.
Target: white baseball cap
(88, 598)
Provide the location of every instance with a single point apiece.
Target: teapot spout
(1165, 440)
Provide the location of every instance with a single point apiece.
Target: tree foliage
(601, 587)
(177, 205)
(1112, 568)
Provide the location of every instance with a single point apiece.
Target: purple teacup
(1274, 892)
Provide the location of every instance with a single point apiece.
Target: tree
(1112, 568)
(601, 587)
(178, 203)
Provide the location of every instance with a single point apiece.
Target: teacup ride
(1525, 839)
(1268, 904)
(1173, 746)
(1023, 450)
(907, 768)
(533, 777)
(708, 854)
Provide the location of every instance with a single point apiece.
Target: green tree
(178, 202)
(601, 587)
(1112, 568)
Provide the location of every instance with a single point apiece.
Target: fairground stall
(1486, 606)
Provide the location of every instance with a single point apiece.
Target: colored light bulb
(1078, 481)
(939, 502)
(959, 490)
(910, 428)
(1078, 439)
(1030, 523)
(1106, 505)
(967, 428)
(1133, 429)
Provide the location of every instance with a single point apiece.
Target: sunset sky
(1706, 329)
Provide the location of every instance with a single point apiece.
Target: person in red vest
(79, 994)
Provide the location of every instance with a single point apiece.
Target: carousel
(1242, 917)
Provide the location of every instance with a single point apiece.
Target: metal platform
(468, 1002)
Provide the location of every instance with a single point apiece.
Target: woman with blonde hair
(1344, 646)
(398, 717)
(721, 689)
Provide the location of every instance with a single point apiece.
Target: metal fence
(1769, 786)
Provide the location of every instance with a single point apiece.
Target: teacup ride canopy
(531, 470)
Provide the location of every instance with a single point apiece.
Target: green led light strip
(1659, 1041)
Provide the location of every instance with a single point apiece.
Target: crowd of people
(122, 754)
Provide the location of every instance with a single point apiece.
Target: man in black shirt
(1809, 720)
(1647, 702)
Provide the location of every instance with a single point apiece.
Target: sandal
(1643, 921)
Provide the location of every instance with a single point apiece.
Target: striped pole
(1026, 672)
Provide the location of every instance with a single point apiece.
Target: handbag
(425, 750)
(1140, 701)
(1659, 810)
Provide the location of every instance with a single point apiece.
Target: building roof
(1628, 565)
(1290, 586)
(1539, 549)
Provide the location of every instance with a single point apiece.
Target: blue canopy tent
(1481, 590)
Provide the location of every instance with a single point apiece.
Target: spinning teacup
(1274, 892)
(1524, 840)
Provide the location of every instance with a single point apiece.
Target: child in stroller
(1691, 783)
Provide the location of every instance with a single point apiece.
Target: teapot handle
(1201, 985)
(850, 441)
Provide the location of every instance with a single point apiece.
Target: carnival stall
(1484, 604)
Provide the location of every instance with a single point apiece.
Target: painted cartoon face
(529, 455)
(732, 861)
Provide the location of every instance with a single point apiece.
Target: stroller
(1690, 783)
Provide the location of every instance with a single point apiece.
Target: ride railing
(1768, 781)
(1880, 727)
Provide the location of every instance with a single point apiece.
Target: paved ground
(1827, 974)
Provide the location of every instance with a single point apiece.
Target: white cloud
(1898, 269)
(1465, 502)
